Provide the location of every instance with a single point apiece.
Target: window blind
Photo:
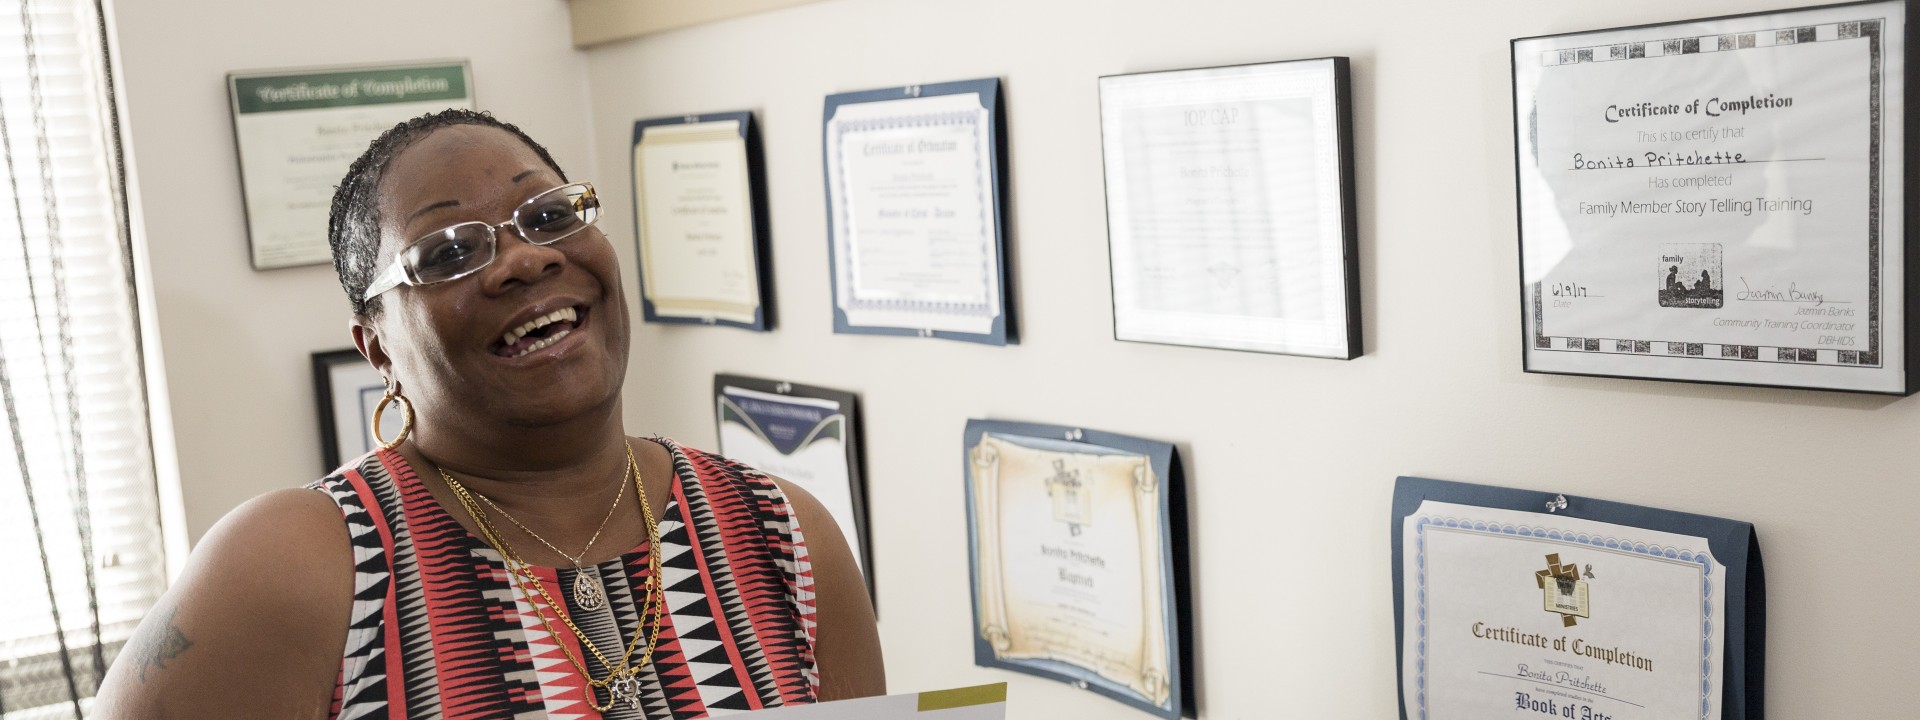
(79, 530)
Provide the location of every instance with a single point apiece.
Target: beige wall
(236, 341)
(1292, 460)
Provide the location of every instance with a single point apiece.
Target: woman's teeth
(543, 343)
(514, 335)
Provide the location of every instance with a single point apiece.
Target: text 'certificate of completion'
(1516, 614)
(699, 219)
(1230, 207)
(1719, 200)
(913, 196)
(298, 131)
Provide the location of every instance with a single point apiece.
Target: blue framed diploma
(809, 436)
(1516, 603)
(915, 178)
(1720, 200)
(700, 214)
(1076, 545)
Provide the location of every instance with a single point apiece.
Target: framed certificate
(699, 198)
(915, 177)
(1077, 544)
(298, 130)
(1230, 207)
(806, 435)
(1719, 200)
(1510, 601)
(346, 390)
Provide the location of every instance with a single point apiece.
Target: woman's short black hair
(353, 226)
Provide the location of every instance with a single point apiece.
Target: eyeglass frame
(396, 273)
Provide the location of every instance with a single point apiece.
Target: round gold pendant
(587, 592)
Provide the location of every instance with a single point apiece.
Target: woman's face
(446, 342)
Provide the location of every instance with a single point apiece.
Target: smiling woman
(511, 552)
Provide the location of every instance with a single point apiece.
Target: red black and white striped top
(438, 632)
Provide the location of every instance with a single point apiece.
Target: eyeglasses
(461, 250)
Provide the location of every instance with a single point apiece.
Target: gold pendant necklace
(622, 682)
(587, 592)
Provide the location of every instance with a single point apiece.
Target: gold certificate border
(701, 308)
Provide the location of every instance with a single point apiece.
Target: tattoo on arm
(158, 644)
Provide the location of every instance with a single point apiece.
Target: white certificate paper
(1226, 209)
(800, 439)
(1523, 615)
(299, 131)
(913, 194)
(691, 187)
(1719, 200)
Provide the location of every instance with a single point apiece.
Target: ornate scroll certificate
(1230, 207)
(913, 196)
(1072, 562)
(1719, 201)
(693, 184)
(299, 130)
(1521, 615)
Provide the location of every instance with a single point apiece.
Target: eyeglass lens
(465, 248)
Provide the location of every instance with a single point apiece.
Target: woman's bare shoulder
(257, 622)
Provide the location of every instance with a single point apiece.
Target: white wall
(236, 341)
(1291, 460)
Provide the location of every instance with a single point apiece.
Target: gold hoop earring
(406, 421)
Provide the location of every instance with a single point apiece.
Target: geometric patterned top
(438, 633)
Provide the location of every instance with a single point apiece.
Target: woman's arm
(254, 628)
(847, 642)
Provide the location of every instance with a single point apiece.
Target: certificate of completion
(298, 131)
(1524, 615)
(1072, 560)
(800, 434)
(700, 223)
(1230, 207)
(913, 201)
(1720, 200)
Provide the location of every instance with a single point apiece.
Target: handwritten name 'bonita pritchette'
(1711, 107)
(1575, 646)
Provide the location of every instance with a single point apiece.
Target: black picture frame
(1875, 368)
(344, 437)
(1336, 127)
(762, 227)
(803, 419)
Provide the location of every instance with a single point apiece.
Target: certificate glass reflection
(1719, 200)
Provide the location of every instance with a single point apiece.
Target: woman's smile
(544, 330)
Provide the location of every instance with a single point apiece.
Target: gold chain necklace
(588, 593)
(621, 683)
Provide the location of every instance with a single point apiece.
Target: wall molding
(597, 22)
